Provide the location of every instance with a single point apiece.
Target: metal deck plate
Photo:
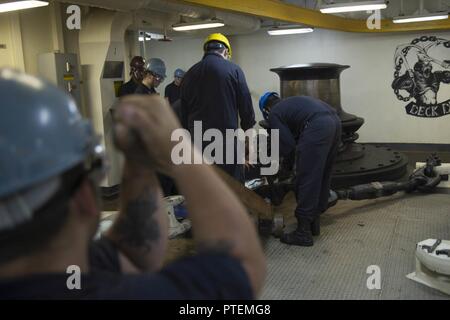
(355, 235)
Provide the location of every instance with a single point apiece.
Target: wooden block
(253, 202)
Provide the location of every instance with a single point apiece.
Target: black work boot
(315, 226)
(301, 236)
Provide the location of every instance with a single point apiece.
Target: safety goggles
(157, 77)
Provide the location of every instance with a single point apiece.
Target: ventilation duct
(171, 12)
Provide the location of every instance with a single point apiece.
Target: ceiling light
(150, 36)
(286, 31)
(354, 6)
(207, 24)
(20, 5)
(421, 18)
(154, 36)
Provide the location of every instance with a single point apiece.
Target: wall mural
(421, 68)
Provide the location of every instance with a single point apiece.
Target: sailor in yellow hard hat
(215, 92)
(217, 41)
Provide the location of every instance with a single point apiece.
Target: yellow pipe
(277, 10)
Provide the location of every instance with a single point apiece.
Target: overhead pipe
(249, 24)
(278, 10)
(236, 23)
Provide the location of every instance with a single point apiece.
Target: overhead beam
(277, 10)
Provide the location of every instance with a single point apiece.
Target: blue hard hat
(42, 134)
(263, 101)
(157, 66)
(179, 73)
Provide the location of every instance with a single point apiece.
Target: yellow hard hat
(219, 38)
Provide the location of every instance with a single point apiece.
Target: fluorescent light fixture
(150, 36)
(354, 6)
(207, 24)
(286, 31)
(20, 5)
(421, 18)
(154, 36)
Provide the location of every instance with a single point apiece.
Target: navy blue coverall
(172, 93)
(312, 129)
(128, 88)
(215, 92)
(205, 276)
(143, 89)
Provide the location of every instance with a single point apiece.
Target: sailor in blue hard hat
(154, 75)
(51, 166)
(264, 106)
(172, 92)
(310, 133)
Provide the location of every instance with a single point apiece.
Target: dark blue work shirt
(172, 93)
(290, 115)
(143, 89)
(215, 92)
(201, 277)
(128, 88)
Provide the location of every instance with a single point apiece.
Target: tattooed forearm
(137, 226)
